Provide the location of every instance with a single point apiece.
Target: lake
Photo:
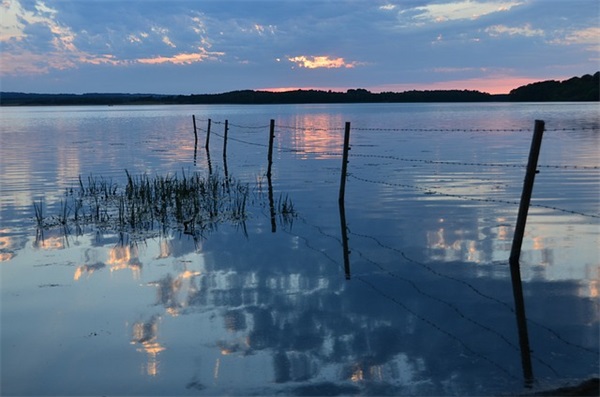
(403, 290)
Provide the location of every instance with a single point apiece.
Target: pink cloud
(315, 62)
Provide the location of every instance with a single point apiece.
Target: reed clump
(188, 202)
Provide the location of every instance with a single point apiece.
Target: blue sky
(211, 46)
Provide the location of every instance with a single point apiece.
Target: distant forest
(584, 88)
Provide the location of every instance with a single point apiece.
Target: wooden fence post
(270, 154)
(207, 134)
(344, 162)
(515, 252)
(534, 152)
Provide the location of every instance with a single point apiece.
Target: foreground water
(423, 304)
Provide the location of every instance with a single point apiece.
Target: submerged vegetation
(145, 205)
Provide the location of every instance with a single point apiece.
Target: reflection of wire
(473, 288)
(434, 325)
(453, 307)
(394, 300)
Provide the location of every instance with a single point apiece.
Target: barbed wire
(309, 128)
(281, 148)
(391, 157)
(303, 128)
(250, 126)
(471, 129)
(478, 164)
(429, 191)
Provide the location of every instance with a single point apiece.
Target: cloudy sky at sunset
(211, 46)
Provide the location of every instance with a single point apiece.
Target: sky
(213, 46)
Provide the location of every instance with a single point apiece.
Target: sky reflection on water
(428, 309)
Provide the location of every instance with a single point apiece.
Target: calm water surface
(423, 305)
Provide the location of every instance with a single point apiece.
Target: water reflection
(273, 310)
(316, 135)
(145, 333)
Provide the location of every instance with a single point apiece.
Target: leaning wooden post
(195, 131)
(207, 135)
(225, 138)
(515, 252)
(344, 162)
(270, 154)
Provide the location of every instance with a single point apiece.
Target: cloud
(183, 58)
(525, 30)
(316, 62)
(589, 37)
(37, 41)
(459, 10)
(387, 7)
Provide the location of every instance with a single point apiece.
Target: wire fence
(247, 135)
(244, 133)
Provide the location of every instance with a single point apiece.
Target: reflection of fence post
(225, 139)
(207, 135)
(344, 162)
(515, 252)
(195, 132)
(272, 205)
(270, 154)
(344, 229)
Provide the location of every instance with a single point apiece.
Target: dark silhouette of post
(208, 162)
(344, 229)
(344, 162)
(207, 134)
(270, 153)
(225, 138)
(515, 252)
(195, 131)
(272, 204)
(195, 154)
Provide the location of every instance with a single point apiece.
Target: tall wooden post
(344, 162)
(207, 135)
(515, 252)
(270, 154)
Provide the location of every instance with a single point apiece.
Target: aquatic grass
(38, 209)
(189, 202)
(145, 205)
(286, 210)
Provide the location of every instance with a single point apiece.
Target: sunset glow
(486, 45)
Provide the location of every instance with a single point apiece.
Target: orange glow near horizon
(491, 85)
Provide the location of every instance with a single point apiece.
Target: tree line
(584, 88)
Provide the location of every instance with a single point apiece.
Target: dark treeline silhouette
(585, 88)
